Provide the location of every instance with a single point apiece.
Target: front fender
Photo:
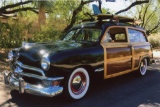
(65, 61)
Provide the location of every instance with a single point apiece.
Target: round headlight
(45, 63)
(10, 55)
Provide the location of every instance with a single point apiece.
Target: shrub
(11, 34)
(47, 33)
(154, 40)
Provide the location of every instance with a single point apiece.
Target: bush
(11, 34)
(154, 40)
(47, 33)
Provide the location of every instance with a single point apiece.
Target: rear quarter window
(136, 36)
(116, 34)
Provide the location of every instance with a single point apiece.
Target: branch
(88, 14)
(132, 5)
(86, 2)
(75, 13)
(150, 16)
(154, 28)
(21, 9)
(144, 16)
(148, 19)
(3, 9)
(140, 13)
(100, 5)
(5, 16)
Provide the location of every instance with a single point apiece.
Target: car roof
(99, 24)
(109, 20)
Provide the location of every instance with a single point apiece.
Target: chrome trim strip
(30, 68)
(40, 77)
(21, 73)
(99, 70)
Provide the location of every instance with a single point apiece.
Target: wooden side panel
(118, 60)
(118, 66)
(140, 51)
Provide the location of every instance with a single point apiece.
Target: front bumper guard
(22, 86)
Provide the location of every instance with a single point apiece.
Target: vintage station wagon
(111, 45)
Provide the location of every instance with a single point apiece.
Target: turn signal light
(55, 83)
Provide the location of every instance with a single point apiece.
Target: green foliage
(11, 34)
(148, 13)
(59, 15)
(47, 33)
(62, 12)
(104, 11)
(47, 4)
(64, 9)
(154, 40)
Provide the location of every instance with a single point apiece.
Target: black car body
(48, 69)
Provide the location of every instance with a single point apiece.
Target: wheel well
(89, 69)
(148, 61)
(92, 74)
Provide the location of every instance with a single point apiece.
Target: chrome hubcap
(78, 83)
(143, 67)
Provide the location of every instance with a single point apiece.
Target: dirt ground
(4, 65)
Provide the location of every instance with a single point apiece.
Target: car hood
(33, 52)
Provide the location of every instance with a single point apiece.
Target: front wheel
(77, 84)
(143, 67)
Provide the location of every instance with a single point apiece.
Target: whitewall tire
(78, 83)
(143, 67)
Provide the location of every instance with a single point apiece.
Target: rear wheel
(143, 67)
(77, 84)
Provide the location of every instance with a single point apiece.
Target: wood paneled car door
(117, 52)
(141, 47)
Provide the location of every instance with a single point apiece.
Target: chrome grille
(30, 68)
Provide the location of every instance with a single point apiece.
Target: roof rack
(114, 18)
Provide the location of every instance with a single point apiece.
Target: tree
(137, 2)
(149, 15)
(43, 8)
(13, 8)
(79, 8)
(42, 5)
(76, 12)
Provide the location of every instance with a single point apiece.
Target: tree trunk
(41, 17)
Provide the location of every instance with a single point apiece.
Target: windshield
(84, 34)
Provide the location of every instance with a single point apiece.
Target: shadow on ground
(124, 91)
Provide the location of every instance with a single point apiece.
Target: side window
(107, 38)
(95, 34)
(88, 34)
(80, 35)
(136, 36)
(142, 37)
(70, 35)
(116, 34)
(119, 37)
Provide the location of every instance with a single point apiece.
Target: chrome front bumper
(22, 86)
